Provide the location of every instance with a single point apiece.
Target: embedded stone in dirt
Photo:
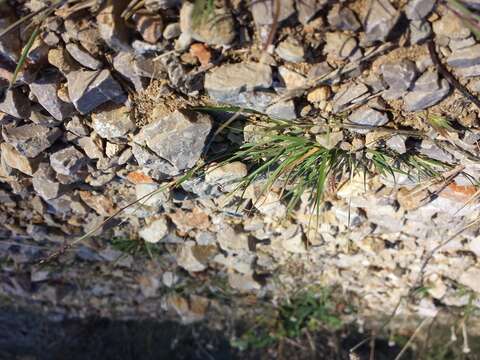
(465, 57)
(30, 140)
(90, 89)
(113, 123)
(342, 18)
(367, 117)
(347, 95)
(399, 75)
(422, 99)
(187, 129)
(229, 80)
(193, 257)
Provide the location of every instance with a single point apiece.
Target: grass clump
(309, 311)
(135, 247)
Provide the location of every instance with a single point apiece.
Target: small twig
(448, 76)
(415, 333)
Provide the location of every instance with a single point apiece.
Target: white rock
(155, 231)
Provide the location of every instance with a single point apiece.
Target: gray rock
(77, 127)
(31, 140)
(419, 31)
(124, 63)
(462, 43)
(45, 89)
(471, 71)
(189, 129)
(83, 57)
(465, 57)
(155, 167)
(45, 184)
(291, 50)
(90, 89)
(319, 70)
(215, 28)
(433, 151)
(428, 81)
(263, 11)
(339, 45)
(380, 20)
(155, 231)
(399, 75)
(14, 103)
(419, 9)
(112, 26)
(451, 26)
(155, 5)
(368, 117)
(172, 31)
(397, 143)
(69, 162)
(419, 100)
(347, 95)
(284, 110)
(113, 123)
(342, 18)
(307, 9)
(231, 79)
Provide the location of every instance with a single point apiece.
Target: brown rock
(15, 160)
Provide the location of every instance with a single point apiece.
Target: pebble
(172, 31)
(90, 89)
(10, 44)
(45, 184)
(451, 26)
(13, 102)
(227, 175)
(83, 57)
(399, 75)
(124, 63)
(348, 94)
(339, 45)
(419, 31)
(112, 26)
(291, 50)
(368, 117)
(291, 79)
(155, 231)
(193, 257)
(319, 94)
(69, 162)
(307, 9)
(262, 11)
(31, 140)
(342, 18)
(12, 158)
(150, 27)
(466, 57)
(421, 99)
(283, 110)
(113, 123)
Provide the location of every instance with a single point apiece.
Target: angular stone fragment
(307, 9)
(45, 89)
(283, 110)
(44, 182)
(90, 89)
(419, 31)
(113, 123)
(291, 50)
(14, 103)
(339, 45)
(155, 231)
(380, 20)
(347, 95)
(189, 129)
(69, 162)
(11, 157)
(342, 18)
(451, 26)
(231, 79)
(368, 117)
(465, 57)
(83, 57)
(112, 26)
(193, 257)
(419, 100)
(263, 11)
(10, 44)
(31, 140)
(419, 9)
(399, 75)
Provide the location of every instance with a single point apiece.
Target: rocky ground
(114, 101)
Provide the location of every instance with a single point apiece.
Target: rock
(31, 140)
(103, 205)
(461, 44)
(45, 88)
(90, 89)
(330, 139)
(307, 9)
(263, 11)
(474, 246)
(429, 81)
(397, 143)
(399, 75)
(169, 279)
(380, 20)
(319, 94)
(291, 50)
(433, 151)
(12, 158)
(368, 117)
(419, 100)
(111, 24)
(113, 123)
(190, 311)
(152, 166)
(465, 57)
(92, 146)
(150, 27)
(44, 182)
(172, 31)
(319, 70)
(124, 63)
(214, 28)
(146, 191)
(193, 257)
(62, 60)
(451, 26)
(189, 129)
(347, 95)
(77, 127)
(155, 5)
(243, 282)
(83, 57)
(186, 221)
(227, 175)
(69, 162)
(419, 31)
(155, 231)
(470, 278)
(342, 18)
(339, 45)
(283, 110)
(295, 243)
(10, 44)
(14, 103)
(202, 53)
(291, 79)
(229, 80)
(419, 9)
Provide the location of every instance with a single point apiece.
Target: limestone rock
(31, 140)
